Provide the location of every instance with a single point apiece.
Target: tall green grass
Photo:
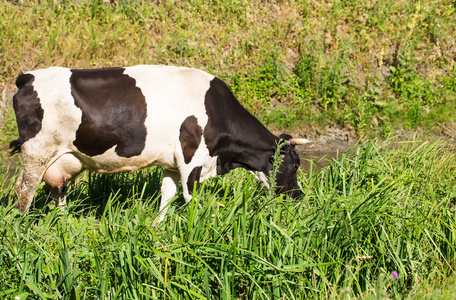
(382, 207)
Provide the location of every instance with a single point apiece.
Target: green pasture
(382, 207)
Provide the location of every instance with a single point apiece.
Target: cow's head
(286, 181)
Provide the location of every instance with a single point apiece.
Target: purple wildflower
(395, 274)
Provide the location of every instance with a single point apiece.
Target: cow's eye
(296, 166)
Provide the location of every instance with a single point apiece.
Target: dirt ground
(326, 145)
(329, 143)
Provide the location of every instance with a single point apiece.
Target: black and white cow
(123, 119)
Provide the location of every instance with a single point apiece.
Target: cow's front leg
(168, 190)
(188, 182)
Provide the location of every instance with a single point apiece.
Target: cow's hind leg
(168, 189)
(27, 183)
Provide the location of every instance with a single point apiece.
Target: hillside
(369, 67)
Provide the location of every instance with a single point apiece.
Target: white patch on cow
(172, 94)
(61, 117)
(110, 162)
(209, 168)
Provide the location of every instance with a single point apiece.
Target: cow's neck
(253, 154)
(232, 134)
(245, 144)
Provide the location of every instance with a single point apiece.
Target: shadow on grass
(92, 192)
(96, 190)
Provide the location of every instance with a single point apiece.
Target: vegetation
(372, 212)
(369, 66)
(383, 209)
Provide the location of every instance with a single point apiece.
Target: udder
(63, 170)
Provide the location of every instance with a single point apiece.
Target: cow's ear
(286, 137)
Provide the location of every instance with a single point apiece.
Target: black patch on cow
(195, 175)
(190, 137)
(114, 111)
(233, 134)
(29, 113)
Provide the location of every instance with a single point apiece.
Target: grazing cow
(123, 119)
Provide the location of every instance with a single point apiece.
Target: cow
(122, 119)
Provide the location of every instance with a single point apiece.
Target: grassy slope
(368, 66)
(373, 212)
